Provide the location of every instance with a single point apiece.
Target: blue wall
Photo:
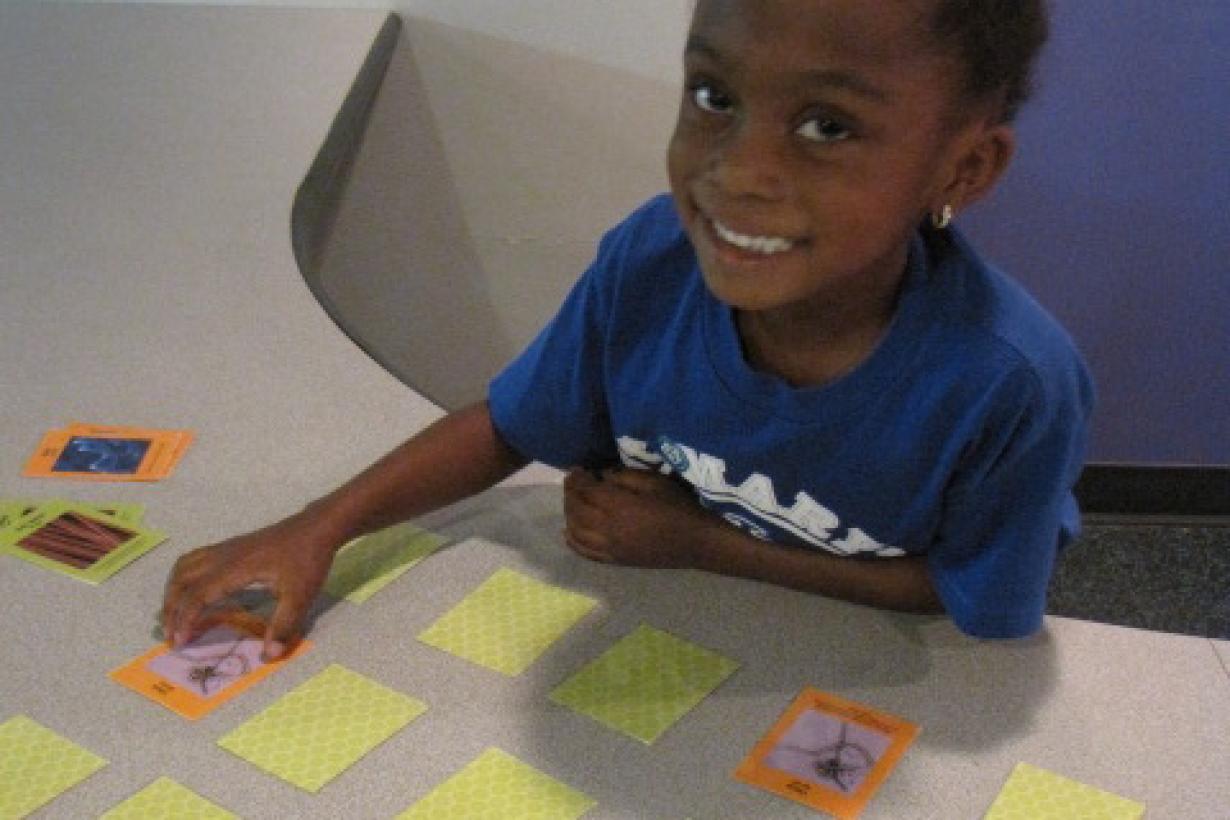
(1116, 214)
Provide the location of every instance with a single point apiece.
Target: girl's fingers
(579, 482)
(194, 602)
(186, 573)
(578, 544)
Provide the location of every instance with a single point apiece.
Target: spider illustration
(212, 671)
(843, 763)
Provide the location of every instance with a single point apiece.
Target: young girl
(792, 369)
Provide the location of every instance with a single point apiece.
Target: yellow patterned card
(1032, 793)
(498, 786)
(367, 565)
(507, 622)
(37, 765)
(322, 727)
(644, 683)
(164, 799)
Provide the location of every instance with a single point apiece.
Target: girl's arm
(455, 457)
(634, 517)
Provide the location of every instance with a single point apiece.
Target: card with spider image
(201, 675)
(828, 753)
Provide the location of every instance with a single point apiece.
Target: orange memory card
(170, 445)
(828, 753)
(222, 662)
(101, 453)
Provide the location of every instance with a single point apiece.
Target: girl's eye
(708, 98)
(823, 129)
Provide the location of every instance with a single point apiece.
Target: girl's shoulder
(647, 251)
(650, 231)
(986, 307)
(994, 335)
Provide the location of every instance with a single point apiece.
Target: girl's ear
(981, 155)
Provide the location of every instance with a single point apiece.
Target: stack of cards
(95, 452)
(80, 540)
(13, 510)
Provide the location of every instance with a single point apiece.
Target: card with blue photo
(85, 454)
(94, 452)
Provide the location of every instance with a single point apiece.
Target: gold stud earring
(943, 219)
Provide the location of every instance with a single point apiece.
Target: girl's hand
(289, 558)
(633, 517)
(645, 519)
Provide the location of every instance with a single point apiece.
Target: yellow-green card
(37, 765)
(367, 565)
(77, 540)
(644, 683)
(322, 727)
(1037, 794)
(132, 513)
(164, 798)
(14, 509)
(498, 786)
(507, 622)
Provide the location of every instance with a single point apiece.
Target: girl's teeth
(766, 245)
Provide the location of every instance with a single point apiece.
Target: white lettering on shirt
(806, 519)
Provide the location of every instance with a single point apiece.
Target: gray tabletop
(148, 161)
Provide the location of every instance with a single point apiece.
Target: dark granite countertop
(1168, 578)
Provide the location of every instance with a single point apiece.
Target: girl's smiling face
(812, 139)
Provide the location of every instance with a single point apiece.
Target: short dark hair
(998, 42)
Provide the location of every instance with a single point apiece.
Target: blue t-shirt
(959, 438)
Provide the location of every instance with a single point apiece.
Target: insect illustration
(216, 670)
(843, 763)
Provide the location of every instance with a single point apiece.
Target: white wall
(641, 36)
(553, 117)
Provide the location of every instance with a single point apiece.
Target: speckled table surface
(148, 163)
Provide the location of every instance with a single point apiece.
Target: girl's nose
(750, 162)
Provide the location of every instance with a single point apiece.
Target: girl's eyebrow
(846, 81)
(827, 78)
(699, 45)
